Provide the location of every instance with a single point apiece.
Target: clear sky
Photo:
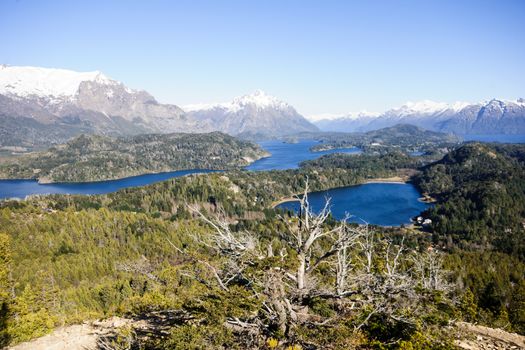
(321, 56)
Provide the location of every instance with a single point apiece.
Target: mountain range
(489, 117)
(40, 107)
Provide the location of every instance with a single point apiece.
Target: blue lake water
(22, 188)
(284, 156)
(381, 204)
(386, 204)
(495, 138)
(290, 155)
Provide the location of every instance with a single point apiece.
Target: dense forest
(481, 197)
(95, 158)
(227, 270)
(66, 265)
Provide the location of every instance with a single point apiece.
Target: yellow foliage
(272, 343)
(294, 347)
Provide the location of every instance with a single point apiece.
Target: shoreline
(48, 181)
(389, 180)
(283, 200)
(381, 180)
(45, 182)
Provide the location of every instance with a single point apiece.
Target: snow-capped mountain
(46, 82)
(342, 123)
(256, 115)
(43, 106)
(40, 107)
(258, 98)
(489, 117)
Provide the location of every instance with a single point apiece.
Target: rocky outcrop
(475, 337)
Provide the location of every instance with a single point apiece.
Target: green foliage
(5, 286)
(341, 336)
(74, 258)
(468, 306)
(33, 319)
(398, 138)
(365, 165)
(421, 341)
(493, 284)
(96, 158)
(517, 308)
(481, 197)
(196, 337)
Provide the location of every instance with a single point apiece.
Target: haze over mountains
(40, 107)
(490, 117)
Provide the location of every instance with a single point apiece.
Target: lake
(385, 204)
(290, 155)
(22, 188)
(378, 203)
(284, 156)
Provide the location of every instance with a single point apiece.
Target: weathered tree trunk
(301, 271)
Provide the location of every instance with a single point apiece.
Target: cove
(290, 155)
(385, 204)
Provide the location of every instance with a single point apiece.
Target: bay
(385, 204)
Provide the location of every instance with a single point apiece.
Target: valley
(190, 238)
(266, 175)
(148, 258)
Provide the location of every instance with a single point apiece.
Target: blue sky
(321, 56)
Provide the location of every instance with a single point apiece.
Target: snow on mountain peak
(426, 107)
(364, 114)
(46, 82)
(324, 116)
(258, 98)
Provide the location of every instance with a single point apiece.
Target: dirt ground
(474, 337)
(88, 336)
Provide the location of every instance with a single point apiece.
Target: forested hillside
(210, 254)
(401, 137)
(95, 158)
(481, 197)
(224, 280)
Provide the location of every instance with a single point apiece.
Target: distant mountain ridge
(257, 115)
(41, 107)
(490, 117)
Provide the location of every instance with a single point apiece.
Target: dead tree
(347, 239)
(428, 268)
(236, 250)
(310, 229)
(371, 276)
